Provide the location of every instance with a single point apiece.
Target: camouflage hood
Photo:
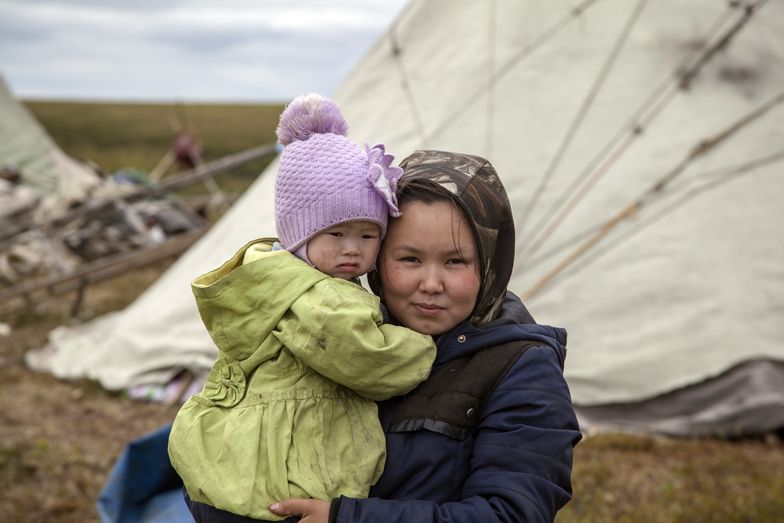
(479, 192)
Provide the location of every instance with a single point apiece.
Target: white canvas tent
(641, 144)
(26, 146)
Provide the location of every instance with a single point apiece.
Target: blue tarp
(143, 487)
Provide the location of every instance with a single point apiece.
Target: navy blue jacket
(515, 466)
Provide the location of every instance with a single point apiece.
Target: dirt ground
(59, 439)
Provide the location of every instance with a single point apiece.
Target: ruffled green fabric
(225, 384)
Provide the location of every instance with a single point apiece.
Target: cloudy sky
(227, 50)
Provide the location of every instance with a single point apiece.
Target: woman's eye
(456, 261)
(409, 259)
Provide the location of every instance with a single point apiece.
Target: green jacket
(288, 409)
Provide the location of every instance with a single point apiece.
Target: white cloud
(194, 49)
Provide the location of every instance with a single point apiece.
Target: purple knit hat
(324, 178)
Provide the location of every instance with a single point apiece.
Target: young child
(288, 409)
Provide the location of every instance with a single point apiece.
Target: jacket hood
(240, 304)
(478, 190)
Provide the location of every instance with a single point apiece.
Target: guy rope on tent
(718, 37)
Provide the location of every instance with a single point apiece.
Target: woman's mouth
(428, 309)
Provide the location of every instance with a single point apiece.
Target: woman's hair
(422, 190)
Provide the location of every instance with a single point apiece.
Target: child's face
(430, 267)
(347, 250)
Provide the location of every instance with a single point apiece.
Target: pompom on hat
(324, 178)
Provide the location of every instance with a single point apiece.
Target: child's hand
(311, 510)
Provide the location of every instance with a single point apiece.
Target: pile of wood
(107, 235)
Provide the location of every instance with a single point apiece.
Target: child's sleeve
(335, 328)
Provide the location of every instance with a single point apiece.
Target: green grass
(117, 136)
(641, 478)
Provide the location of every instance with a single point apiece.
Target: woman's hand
(311, 510)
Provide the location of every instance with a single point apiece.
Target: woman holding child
(488, 436)
(443, 270)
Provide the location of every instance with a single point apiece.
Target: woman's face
(429, 267)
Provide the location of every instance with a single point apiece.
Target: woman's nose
(431, 281)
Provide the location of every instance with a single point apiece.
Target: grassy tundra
(58, 440)
(117, 136)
